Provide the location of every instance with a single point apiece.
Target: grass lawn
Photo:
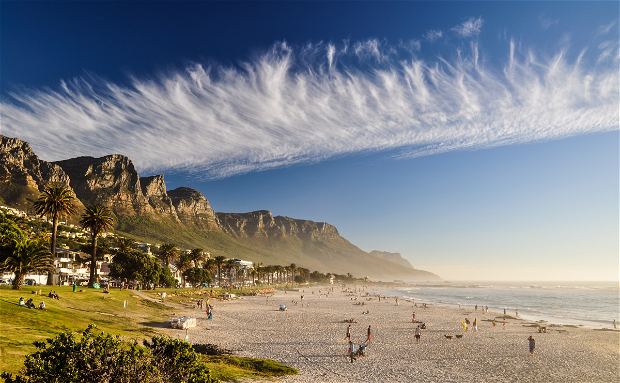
(20, 327)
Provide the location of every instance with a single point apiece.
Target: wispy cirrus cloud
(469, 28)
(303, 104)
(433, 35)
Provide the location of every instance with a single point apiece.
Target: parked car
(5, 282)
(30, 282)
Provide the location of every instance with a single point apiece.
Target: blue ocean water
(592, 304)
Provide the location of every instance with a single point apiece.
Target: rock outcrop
(192, 208)
(154, 189)
(19, 165)
(394, 257)
(111, 180)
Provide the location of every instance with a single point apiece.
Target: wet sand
(309, 338)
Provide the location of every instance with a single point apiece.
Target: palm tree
(27, 257)
(293, 267)
(279, 270)
(231, 265)
(253, 274)
(219, 260)
(197, 255)
(55, 201)
(96, 219)
(167, 253)
(125, 244)
(210, 265)
(183, 264)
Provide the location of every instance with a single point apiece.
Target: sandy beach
(310, 338)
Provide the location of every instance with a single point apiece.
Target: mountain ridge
(147, 210)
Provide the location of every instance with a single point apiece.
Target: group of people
(351, 349)
(31, 305)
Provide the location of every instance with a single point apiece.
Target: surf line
(318, 365)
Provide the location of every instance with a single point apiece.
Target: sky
(478, 139)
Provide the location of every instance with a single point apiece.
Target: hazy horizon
(478, 139)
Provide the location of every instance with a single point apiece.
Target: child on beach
(351, 351)
(418, 334)
(475, 324)
(369, 335)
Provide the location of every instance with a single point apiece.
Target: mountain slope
(146, 211)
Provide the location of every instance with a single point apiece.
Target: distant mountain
(146, 211)
(394, 257)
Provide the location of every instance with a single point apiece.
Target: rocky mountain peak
(110, 180)
(193, 208)
(19, 165)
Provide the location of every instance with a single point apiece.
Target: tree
(183, 263)
(125, 244)
(279, 270)
(27, 256)
(96, 219)
(210, 265)
(197, 255)
(55, 201)
(167, 253)
(134, 265)
(197, 276)
(293, 267)
(219, 260)
(231, 265)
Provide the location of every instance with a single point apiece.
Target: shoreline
(309, 338)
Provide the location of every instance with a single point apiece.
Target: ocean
(591, 304)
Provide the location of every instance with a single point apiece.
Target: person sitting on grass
(22, 302)
(42, 306)
(29, 304)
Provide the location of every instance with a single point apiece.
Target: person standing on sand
(504, 324)
(614, 324)
(532, 344)
(413, 321)
(369, 335)
(352, 351)
(348, 334)
(475, 324)
(418, 333)
(494, 324)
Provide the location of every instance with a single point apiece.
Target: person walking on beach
(352, 351)
(504, 324)
(532, 344)
(413, 321)
(348, 336)
(368, 340)
(475, 324)
(418, 333)
(614, 324)
(494, 324)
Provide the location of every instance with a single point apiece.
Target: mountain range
(146, 211)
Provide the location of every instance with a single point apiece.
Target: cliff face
(192, 208)
(154, 189)
(19, 165)
(394, 257)
(262, 224)
(111, 180)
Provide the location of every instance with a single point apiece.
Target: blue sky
(478, 139)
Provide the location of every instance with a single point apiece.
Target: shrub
(105, 358)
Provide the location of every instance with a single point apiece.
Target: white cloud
(546, 23)
(299, 105)
(604, 29)
(469, 28)
(433, 35)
